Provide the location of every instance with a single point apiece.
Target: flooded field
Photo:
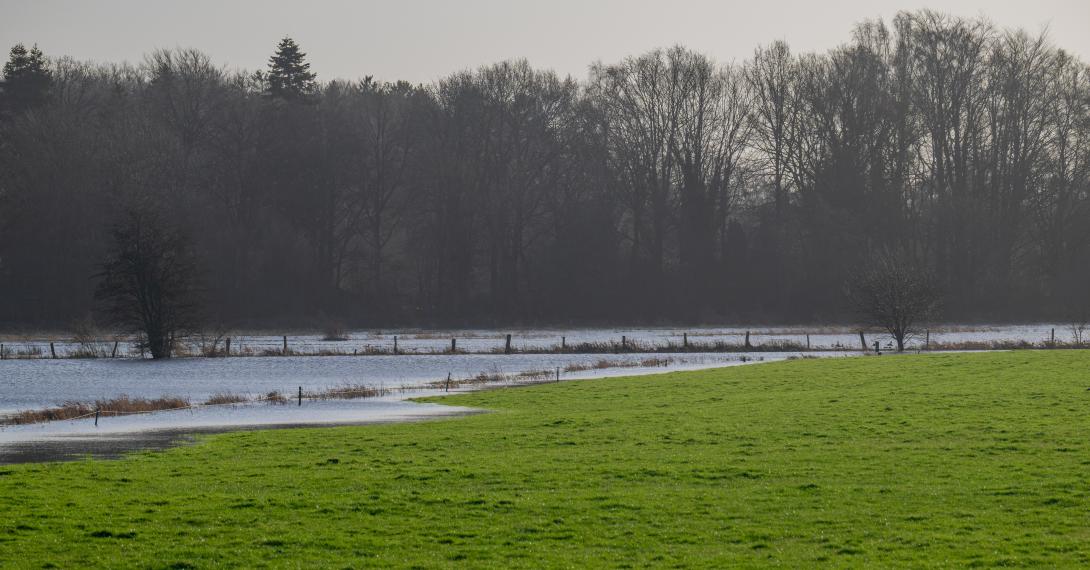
(492, 341)
(31, 384)
(35, 383)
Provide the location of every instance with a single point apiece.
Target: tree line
(666, 187)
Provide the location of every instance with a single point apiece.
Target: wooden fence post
(1, 351)
(563, 343)
(807, 341)
(748, 346)
(454, 345)
(863, 340)
(300, 395)
(113, 353)
(558, 374)
(1053, 341)
(624, 342)
(52, 350)
(927, 340)
(227, 347)
(448, 381)
(96, 416)
(507, 345)
(685, 340)
(395, 344)
(285, 349)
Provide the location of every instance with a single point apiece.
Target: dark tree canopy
(27, 79)
(149, 282)
(289, 76)
(662, 188)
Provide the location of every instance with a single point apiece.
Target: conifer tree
(289, 76)
(27, 79)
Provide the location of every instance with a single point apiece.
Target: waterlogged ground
(930, 461)
(36, 383)
(31, 384)
(480, 340)
(28, 384)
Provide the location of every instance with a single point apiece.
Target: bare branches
(895, 293)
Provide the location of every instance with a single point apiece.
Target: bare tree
(894, 293)
(149, 282)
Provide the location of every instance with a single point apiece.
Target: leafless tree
(149, 282)
(894, 293)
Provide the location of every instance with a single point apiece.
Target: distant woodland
(663, 188)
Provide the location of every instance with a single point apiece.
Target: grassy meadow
(950, 460)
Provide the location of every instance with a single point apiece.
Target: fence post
(227, 347)
(454, 345)
(863, 340)
(448, 381)
(300, 395)
(285, 349)
(558, 374)
(748, 346)
(807, 341)
(113, 353)
(877, 350)
(1052, 342)
(563, 343)
(96, 416)
(507, 345)
(685, 340)
(52, 350)
(927, 340)
(395, 344)
(1, 351)
(624, 342)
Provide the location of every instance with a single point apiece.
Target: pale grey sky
(423, 40)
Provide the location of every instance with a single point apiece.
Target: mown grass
(934, 460)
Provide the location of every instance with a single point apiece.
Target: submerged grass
(222, 398)
(347, 392)
(957, 460)
(115, 406)
(126, 405)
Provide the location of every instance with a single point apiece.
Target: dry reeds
(118, 406)
(347, 392)
(274, 397)
(335, 332)
(220, 398)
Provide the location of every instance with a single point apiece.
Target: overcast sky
(423, 40)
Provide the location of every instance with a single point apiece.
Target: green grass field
(938, 460)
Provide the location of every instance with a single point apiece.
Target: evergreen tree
(289, 76)
(26, 79)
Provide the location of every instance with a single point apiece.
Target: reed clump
(220, 398)
(116, 406)
(275, 397)
(347, 392)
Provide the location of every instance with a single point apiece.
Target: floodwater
(35, 383)
(485, 341)
(115, 436)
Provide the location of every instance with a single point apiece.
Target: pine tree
(289, 76)
(27, 80)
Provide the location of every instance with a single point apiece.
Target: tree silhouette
(27, 79)
(149, 282)
(289, 76)
(895, 293)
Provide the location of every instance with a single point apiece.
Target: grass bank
(932, 460)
